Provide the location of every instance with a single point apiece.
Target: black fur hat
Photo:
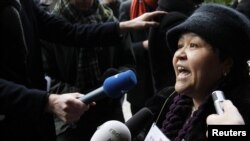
(221, 26)
(183, 6)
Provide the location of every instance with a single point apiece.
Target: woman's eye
(193, 45)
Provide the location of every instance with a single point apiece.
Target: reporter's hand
(143, 21)
(67, 107)
(231, 116)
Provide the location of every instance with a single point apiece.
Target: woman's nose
(180, 53)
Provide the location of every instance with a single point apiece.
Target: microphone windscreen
(112, 131)
(117, 85)
(139, 121)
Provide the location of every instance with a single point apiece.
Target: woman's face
(197, 66)
(83, 5)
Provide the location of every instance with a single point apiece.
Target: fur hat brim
(220, 26)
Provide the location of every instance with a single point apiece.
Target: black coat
(21, 65)
(144, 89)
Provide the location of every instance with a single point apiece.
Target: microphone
(113, 87)
(139, 121)
(112, 131)
(218, 98)
(117, 131)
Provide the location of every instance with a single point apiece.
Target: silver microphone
(218, 97)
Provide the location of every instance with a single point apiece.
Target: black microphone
(139, 121)
(114, 86)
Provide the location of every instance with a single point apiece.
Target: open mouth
(182, 72)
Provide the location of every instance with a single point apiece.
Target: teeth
(180, 68)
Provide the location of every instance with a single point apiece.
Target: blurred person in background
(242, 6)
(84, 69)
(131, 9)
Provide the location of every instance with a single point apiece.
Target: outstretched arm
(143, 21)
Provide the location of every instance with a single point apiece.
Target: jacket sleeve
(56, 29)
(17, 101)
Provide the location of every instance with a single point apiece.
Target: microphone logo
(112, 131)
(115, 134)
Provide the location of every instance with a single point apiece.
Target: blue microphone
(114, 86)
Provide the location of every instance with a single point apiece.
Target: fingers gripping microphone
(113, 87)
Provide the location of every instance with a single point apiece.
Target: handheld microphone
(218, 97)
(117, 131)
(139, 121)
(112, 131)
(113, 87)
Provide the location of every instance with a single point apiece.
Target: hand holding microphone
(227, 113)
(231, 116)
(66, 106)
(114, 86)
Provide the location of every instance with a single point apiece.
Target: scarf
(178, 113)
(181, 120)
(138, 7)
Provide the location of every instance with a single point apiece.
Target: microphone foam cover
(139, 121)
(112, 131)
(117, 85)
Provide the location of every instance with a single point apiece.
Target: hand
(67, 107)
(143, 21)
(231, 116)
